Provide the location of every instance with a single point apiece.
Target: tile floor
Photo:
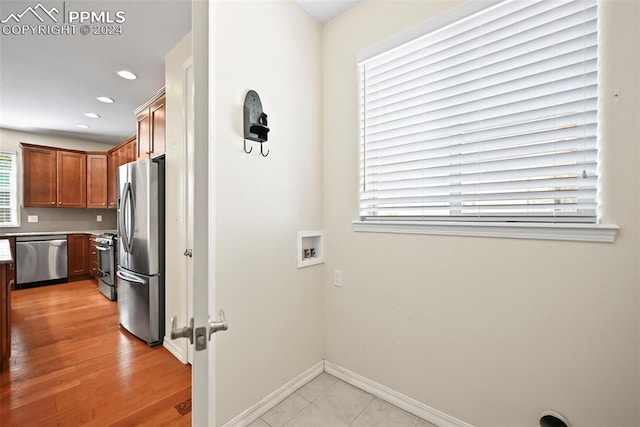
(326, 401)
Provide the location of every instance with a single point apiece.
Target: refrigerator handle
(121, 219)
(123, 224)
(132, 224)
(128, 278)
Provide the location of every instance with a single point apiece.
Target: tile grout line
(363, 409)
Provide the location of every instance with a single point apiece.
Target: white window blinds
(8, 190)
(492, 118)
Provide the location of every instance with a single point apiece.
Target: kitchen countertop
(5, 252)
(49, 233)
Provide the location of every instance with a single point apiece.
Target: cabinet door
(5, 318)
(72, 179)
(11, 268)
(96, 181)
(144, 135)
(131, 151)
(39, 165)
(93, 258)
(112, 166)
(78, 261)
(157, 113)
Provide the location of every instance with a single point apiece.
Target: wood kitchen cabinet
(118, 156)
(5, 317)
(54, 177)
(78, 255)
(39, 166)
(72, 179)
(93, 257)
(96, 180)
(151, 119)
(6, 284)
(11, 269)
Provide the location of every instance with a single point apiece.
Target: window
(8, 190)
(490, 118)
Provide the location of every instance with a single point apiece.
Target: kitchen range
(106, 252)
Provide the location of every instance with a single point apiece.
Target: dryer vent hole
(551, 421)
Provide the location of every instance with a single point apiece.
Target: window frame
(13, 189)
(571, 231)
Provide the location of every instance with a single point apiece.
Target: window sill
(602, 233)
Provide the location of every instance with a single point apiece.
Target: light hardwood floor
(72, 364)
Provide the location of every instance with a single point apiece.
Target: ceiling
(48, 82)
(325, 10)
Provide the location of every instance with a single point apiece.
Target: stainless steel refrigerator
(140, 269)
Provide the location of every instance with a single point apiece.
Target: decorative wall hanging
(255, 122)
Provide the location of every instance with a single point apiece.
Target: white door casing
(203, 297)
(188, 188)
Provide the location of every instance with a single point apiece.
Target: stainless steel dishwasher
(40, 260)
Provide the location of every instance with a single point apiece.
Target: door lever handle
(184, 332)
(220, 325)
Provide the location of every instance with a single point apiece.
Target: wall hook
(245, 147)
(262, 153)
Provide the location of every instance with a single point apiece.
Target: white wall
(175, 196)
(274, 310)
(11, 139)
(491, 331)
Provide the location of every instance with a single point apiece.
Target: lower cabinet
(93, 256)
(11, 268)
(5, 317)
(78, 260)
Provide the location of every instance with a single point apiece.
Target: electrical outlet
(337, 278)
(32, 218)
(99, 218)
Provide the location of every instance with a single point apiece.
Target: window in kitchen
(8, 190)
(490, 118)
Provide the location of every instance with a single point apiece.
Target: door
(72, 179)
(203, 374)
(97, 181)
(157, 117)
(144, 135)
(203, 260)
(78, 261)
(39, 177)
(188, 214)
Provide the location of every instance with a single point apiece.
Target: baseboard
(400, 400)
(175, 349)
(266, 404)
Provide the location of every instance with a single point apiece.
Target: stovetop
(107, 239)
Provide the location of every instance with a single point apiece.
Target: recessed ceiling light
(92, 115)
(104, 99)
(83, 126)
(127, 75)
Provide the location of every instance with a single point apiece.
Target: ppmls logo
(39, 20)
(33, 11)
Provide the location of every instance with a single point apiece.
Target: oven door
(106, 267)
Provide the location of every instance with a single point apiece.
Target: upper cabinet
(117, 156)
(54, 178)
(151, 127)
(39, 165)
(96, 180)
(72, 179)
